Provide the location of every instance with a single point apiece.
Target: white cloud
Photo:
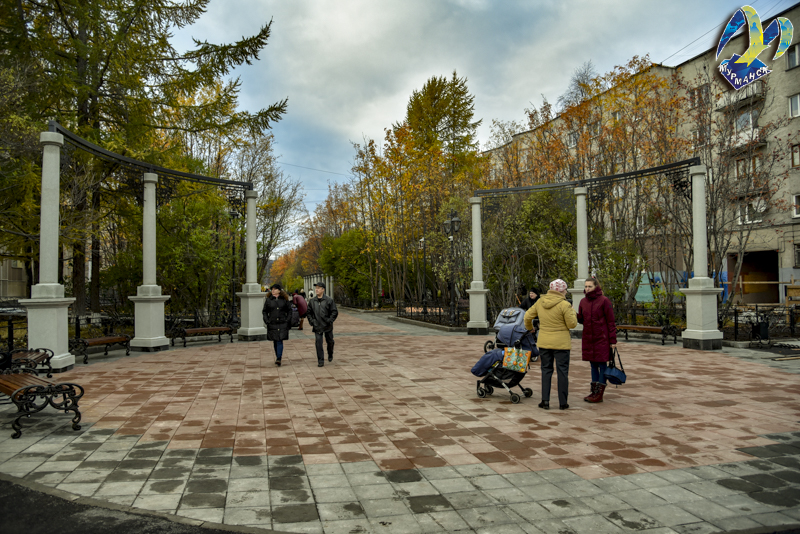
(348, 68)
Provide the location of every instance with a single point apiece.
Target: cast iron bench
(32, 358)
(181, 332)
(665, 331)
(81, 345)
(31, 394)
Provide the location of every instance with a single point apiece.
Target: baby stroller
(491, 363)
(511, 317)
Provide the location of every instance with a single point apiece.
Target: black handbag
(615, 375)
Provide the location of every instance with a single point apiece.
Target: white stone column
(329, 284)
(252, 298)
(48, 310)
(582, 223)
(477, 324)
(701, 331)
(149, 302)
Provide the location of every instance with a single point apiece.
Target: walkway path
(390, 437)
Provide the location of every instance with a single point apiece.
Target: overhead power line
(311, 168)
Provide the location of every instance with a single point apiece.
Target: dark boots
(598, 396)
(592, 392)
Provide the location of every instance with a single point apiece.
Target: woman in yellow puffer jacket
(556, 318)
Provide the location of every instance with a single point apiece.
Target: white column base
(48, 319)
(252, 301)
(149, 320)
(701, 331)
(477, 324)
(577, 296)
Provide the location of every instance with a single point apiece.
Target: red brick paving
(409, 401)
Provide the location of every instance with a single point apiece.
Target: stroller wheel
(481, 392)
(489, 345)
(528, 392)
(489, 390)
(515, 398)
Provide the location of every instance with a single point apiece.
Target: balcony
(747, 139)
(748, 94)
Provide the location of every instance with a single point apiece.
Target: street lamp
(451, 227)
(234, 313)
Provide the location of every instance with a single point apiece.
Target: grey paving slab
(439, 473)
(415, 489)
(707, 510)
(509, 528)
(119, 488)
(508, 495)
(731, 524)
(248, 516)
(580, 488)
(86, 476)
(559, 475)
(616, 484)
(446, 521)
(592, 523)
(772, 519)
(490, 482)
(605, 502)
(374, 492)
(545, 491)
(311, 527)
(670, 515)
(374, 508)
(158, 502)
(641, 499)
(707, 472)
(647, 480)
(328, 481)
(473, 470)
(248, 484)
(697, 528)
(469, 499)
(83, 489)
(238, 471)
(367, 478)
(360, 467)
(50, 478)
(347, 526)
(485, 516)
(325, 469)
(566, 507)
(335, 495)
(530, 478)
(211, 485)
(452, 485)
(161, 487)
(675, 494)
(298, 496)
(125, 500)
(340, 511)
(289, 483)
(711, 488)
(247, 499)
(742, 503)
(212, 515)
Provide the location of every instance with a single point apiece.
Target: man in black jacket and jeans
(321, 314)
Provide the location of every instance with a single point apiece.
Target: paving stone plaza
(391, 437)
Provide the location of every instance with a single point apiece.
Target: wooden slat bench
(81, 345)
(183, 333)
(31, 394)
(664, 331)
(32, 358)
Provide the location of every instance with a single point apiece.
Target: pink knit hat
(558, 285)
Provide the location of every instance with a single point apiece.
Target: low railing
(759, 322)
(435, 312)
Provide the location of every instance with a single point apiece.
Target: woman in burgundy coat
(599, 335)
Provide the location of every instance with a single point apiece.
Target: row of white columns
(47, 308)
(311, 279)
(701, 296)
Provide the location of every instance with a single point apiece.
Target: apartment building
(749, 139)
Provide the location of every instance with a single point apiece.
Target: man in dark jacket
(321, 314)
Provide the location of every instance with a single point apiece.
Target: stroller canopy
(511, 333)
(515, 316)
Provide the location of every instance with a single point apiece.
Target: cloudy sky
(348, 67)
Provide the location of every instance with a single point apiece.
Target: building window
(616, 116)
(572, 139)
(796, 256)
(794, 105)
(795, 155)
(700, 137)
(796, 206)
(793, 57)
(594, 129)
(641, 221)
(747, 166)
(752, 213)
(746, 120)
(699, 96)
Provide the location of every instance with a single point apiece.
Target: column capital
(150, 177)
(475, 200)
(51, 138)
(250, 194)
(580, 191)
(697, 169)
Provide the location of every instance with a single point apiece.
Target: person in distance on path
(277, 313)
(321, 314)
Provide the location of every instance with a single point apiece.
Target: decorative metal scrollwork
(32, 399)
